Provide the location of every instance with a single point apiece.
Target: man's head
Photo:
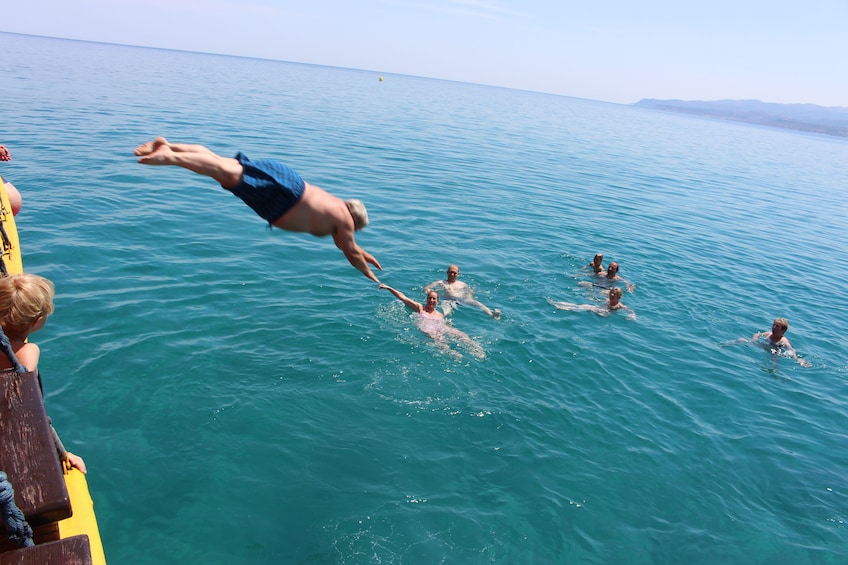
(453, 273)
(612, 270)
(358, 213)
(615, 295)
(780, 325)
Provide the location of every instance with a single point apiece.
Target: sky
(611, 50)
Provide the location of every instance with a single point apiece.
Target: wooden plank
(69, 551)
(28, 455)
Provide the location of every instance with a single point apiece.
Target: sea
(243, 395)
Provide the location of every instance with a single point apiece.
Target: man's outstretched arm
(356, 256)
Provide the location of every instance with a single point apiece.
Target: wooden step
(69, 551)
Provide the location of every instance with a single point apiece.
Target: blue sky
(611, 50)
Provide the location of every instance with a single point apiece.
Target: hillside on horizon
(803, 117)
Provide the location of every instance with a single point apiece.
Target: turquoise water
(245, 396)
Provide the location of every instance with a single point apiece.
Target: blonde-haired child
(26, 301)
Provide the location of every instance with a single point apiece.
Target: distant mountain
(803, 117)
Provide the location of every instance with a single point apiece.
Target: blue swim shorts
(269, 187)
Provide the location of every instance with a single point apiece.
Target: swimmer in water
(597, 264)
(606, 279)
(778, 341)
(613, 303)
(433, 323)
(454, 292)
(612, 276)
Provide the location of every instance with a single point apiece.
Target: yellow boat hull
(83, 520)
(12, 257)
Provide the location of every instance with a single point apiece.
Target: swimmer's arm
(794, 354)
(560, 305)
(411, 304)
(433, 285)
(787, 348)
(630, 286)
(344, 239)
(480, 305)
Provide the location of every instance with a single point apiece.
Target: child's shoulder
(28, 355)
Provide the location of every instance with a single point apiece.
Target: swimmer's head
(781, 323)
(358, 213)
(599, 258)
(615, 293)
(432, 297)
(453, 272)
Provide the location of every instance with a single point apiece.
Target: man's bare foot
(156, 152)
(150, 146)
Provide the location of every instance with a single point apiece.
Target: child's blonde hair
(615, 291)
(23, 299)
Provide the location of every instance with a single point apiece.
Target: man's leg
(189, 148)
(197, 158)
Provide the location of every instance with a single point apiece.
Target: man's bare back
(318, 212)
